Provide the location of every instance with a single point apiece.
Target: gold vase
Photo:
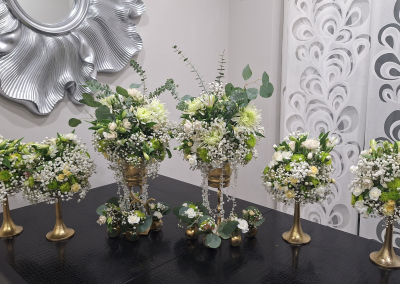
(386, 257)
(190, 232)
(156, 225)
(60, 231)
(252, 232)
(235, 239)
(114, 233)
(214, 181)
(8, 228)
(132, 236)
(296, 236)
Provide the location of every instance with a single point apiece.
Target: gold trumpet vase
(137, 176)
(296, 236)
(8, 228)
(386, 257)
(60, 231)
(214, 181)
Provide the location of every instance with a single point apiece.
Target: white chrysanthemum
(248, 117)
(136, 95)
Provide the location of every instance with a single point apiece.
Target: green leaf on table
(202, 208)
(221, 231)
(73, 122)
(251, 208)
(247, 72)
(230, 227)
(182, 210)
(176, 209)
(185, 219)
(122, 92)
(259, 222)
(134, 86)
(212, 241)
(252, 93)
(228, 89)
(102, 112)
(266, 91)
(203, 218)
(146, 224)
(100, 209)
(113, 200)
(265, 79)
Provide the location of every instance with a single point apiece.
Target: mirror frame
(77, 15)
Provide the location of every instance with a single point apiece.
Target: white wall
(249, 31)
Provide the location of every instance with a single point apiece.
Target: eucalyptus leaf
(228, 89)
(202, 208)
(266, 91)
(113, 200)
(134, 86)
(221, 231)
(73, 122)
(100, 209)
(203, 218)
(247, 73)
(251, 208)
(185, 220)
(230, 227)
(265, 79)
(146, 224)
(212, 241)
(102, 112)
(89, 100)
(186, 98)
(252, 93)
(182, 210)
(122, 92)
(259, 222)
(176, 209)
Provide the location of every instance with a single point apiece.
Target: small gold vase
(214, 181)
(132, 236)
(252, 232)
(235, 239)
(296, 236)
(114, 233)
(60, 231)
(386, 257)
(8, 228)
(156, 225)
(190, 232)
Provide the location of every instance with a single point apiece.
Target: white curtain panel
(325, 88)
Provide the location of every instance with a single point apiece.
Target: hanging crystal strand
(233, 186)
(220, 206)
(204, 186)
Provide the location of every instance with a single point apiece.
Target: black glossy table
(167, 257)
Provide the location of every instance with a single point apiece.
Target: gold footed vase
(252, 232)
(190, 232)
(296, 236)
(386, 257)
(214, 181)
(114, 233)
(132, 236)
(8, 228)
(60, 231)
(235, 239)
(156, 225)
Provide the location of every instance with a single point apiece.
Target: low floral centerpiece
(63, 171)
(110, 214)
(300, 172)
(131, 129)
(376, 192)
(230, 229)
(158, 211)
(219, 131)
(189, 213)
(254, 219)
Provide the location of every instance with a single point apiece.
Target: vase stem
(60, 231)
(219, 206)
(8, 228)
(296, 235)
(386, 257)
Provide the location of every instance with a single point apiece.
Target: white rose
(277, 156)
(364, 152)
(243, 225)
(158, 215)
(357, 191)
(287, 155)
(190, 213)
(309, 156)
(112, 126)
(133, 220)
(292, 145)
(102, 220)
(320, 190)
(367, 183)
(111, 135)
(310, 144)
(268, 184)
(361, 208)
(375, 193)
(126, 124)
(187, 126)
(193, 160)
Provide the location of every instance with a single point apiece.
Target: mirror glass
(47, 11)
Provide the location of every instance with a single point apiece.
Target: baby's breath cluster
(63, 169)
(376, 185)
(301, 169)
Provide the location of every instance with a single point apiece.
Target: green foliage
(89, 101)
(247, 73)
(146, 224)
(394, 184)
(384, 197)
(168, 86)
(141, 73)
(353, 199)
(221, 68)
(100, 209)
(394, 195)
(102, 112)
(252, 93)
(73, 122)
(212, 240)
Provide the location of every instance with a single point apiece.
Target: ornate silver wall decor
(40, 63)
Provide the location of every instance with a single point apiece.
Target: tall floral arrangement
(301, 169)
(63, 169)
(222, 125)
(376, 184)
(130, 127)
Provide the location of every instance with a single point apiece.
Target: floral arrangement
(253, 217)
(301, 169)
(63, 169)
(130, 127)
(190, 213)
(376, 185)
(110, 213)
(12, 167)
(231, 225)
(222, 125)
(208, 227)
(135, 220)
(159, 210)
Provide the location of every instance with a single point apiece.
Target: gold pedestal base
(386, 257)
(60, 231)
(8, 228)
(145, 233)
(296, 236)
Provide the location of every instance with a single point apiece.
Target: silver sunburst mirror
(49, 48)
